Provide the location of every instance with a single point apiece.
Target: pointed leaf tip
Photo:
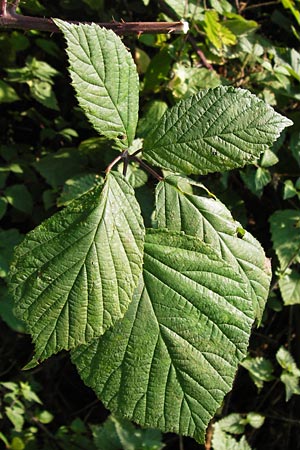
(215, 130)
(105, 79)
(74, 275)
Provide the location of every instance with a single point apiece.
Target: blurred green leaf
(19, 197)
(58, 167)
(260, 369)
(8, 240)
(117, 433)
(76, 186)
(216, 32)
(7, 93)
(285, 230)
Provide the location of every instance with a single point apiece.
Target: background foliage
(51, 155)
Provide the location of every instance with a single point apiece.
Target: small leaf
(7, 93)
(260, 370)
(179, 210)
(171, 360)
(289, 285)
(58, 167)
(224, 441)
(255, 419)
(105, 79)
(289, 190)
(19, 197)
(287, 362)
(117, 433)
(77, 186)
(214, 130)
(291, 383)
(74, 275)
(217, 33)
(285, 230)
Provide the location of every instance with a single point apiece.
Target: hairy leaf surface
(214, 130)
(169, 362)
(207, 218)
(75, 274)
(105, 79)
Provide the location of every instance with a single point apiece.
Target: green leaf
(105, 79)
(179, 210)
(42, 92)
(214, 130)
(291, 383)
(7, 93)
(289, 190)
(3, 207)
(74, 275)
(117, 433)
(290, 374)
(6, 311)
(260, 370)
(19, 197)
(224, 441)
(233, 423)
(77, 186)
(8, 240)
(287, 362)
(15, 413)
(285, 230)
(217, 33)
(255, 419)
(189, 80)
(295, 145)
(58, 167)
(153, 113)
(171, 360)
(268, 159)
(289, 285)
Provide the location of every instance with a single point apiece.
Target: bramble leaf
(169, 362)
(74, 275)
(214, 130)
(105, 79)
(207, 218)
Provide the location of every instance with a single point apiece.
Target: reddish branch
(10, 19)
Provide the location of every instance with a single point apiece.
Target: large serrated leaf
(105, 79)
(169, 362)
(207, 218)
(214, 130)
(75, 274)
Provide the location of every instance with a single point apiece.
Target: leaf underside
(214, 130)
(105, 79)
(75, 274)
(169, 362)
(210, 220)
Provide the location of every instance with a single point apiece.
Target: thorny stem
(10, 19)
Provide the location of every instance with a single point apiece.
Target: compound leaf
(207, 218)
(75, 274)
(169, 362)
(105, 79)
(214, 130)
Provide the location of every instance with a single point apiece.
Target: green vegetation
(174, 164)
